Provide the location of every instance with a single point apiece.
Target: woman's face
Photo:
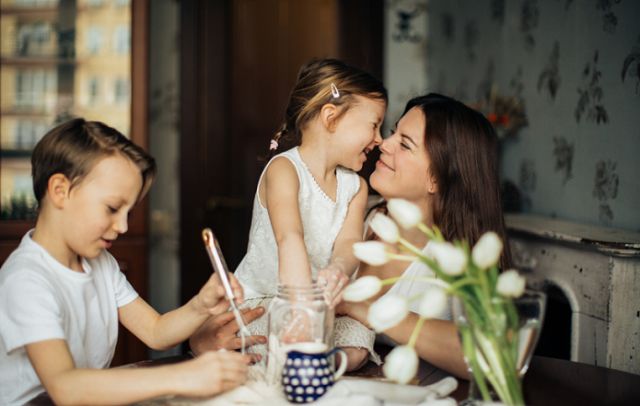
(403, 168)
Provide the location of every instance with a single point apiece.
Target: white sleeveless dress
(322, 220)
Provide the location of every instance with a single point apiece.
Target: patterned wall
(575, 67)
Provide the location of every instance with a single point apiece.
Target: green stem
(416, 332)
(408, 258)
(462, 282)
(410, 247)
(427, 231)
(435, 281)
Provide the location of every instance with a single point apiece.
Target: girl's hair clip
(273, 145)
(334, 91)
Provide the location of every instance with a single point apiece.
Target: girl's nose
(121, 224)
(377, 140)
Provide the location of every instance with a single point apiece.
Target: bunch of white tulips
(454, 266)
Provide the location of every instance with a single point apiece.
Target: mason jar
(296, 315)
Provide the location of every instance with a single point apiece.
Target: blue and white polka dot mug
(308, 373)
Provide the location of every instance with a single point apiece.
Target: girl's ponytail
(274, 144)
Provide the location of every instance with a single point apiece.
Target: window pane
(59, 60)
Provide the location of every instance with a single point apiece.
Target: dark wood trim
(204, 108)
(15, 229)
(361, 34)
(139, 100)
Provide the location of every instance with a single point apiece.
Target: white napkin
(351, 391)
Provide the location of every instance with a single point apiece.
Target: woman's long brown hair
(463, 148)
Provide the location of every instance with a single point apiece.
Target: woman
(442, 156)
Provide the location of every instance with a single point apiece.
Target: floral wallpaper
(573, 67)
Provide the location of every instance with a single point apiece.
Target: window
(121, 40)
(94, 40)
(93, 90)
(121, 91)
(33, 88)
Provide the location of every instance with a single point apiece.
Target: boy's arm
(343, 263)
(205, 376)
(281, 198)
(164, 331)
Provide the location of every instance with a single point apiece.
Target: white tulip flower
(401, 365)
(372, 252)
(452, 260)
(510, 284)
(407, 214)
(362, 289)
(386, 312)
(385, 228)
(433, 303)
(487, 250)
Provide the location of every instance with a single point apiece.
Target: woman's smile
(383, 165)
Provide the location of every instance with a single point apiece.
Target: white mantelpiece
(598, 269)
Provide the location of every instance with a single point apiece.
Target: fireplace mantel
(598, 270)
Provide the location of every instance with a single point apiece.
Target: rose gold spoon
(220, 266)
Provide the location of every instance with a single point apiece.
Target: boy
(62, 294)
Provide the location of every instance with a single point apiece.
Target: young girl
(310, 203)
(62, 294)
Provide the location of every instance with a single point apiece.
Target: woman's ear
(329, 116)
(58, 189)
(432, 184)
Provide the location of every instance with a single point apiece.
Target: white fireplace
(598, 271)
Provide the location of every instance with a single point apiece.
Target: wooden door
(239, 62)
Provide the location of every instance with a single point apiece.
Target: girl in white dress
(310, 203)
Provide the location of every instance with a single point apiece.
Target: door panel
(239, 61)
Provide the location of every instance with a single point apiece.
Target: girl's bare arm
(281, 188)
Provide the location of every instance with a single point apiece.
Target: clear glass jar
(297, 314)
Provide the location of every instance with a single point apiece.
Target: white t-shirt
(40, 299)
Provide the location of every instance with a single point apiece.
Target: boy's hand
(220, 332)
(212, 373)
(212, 300)
(333, 280)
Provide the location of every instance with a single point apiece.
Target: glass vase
(498, 339)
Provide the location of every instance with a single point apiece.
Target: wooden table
(548, 382)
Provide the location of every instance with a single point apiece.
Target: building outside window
(94, 40)
(121, 40)
(121, 91)
(93, 90)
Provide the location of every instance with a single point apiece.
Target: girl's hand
(212, 300)
(212, 373)
(334, 281)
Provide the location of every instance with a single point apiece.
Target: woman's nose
(385, 145)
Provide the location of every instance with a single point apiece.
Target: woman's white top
(322, 219)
